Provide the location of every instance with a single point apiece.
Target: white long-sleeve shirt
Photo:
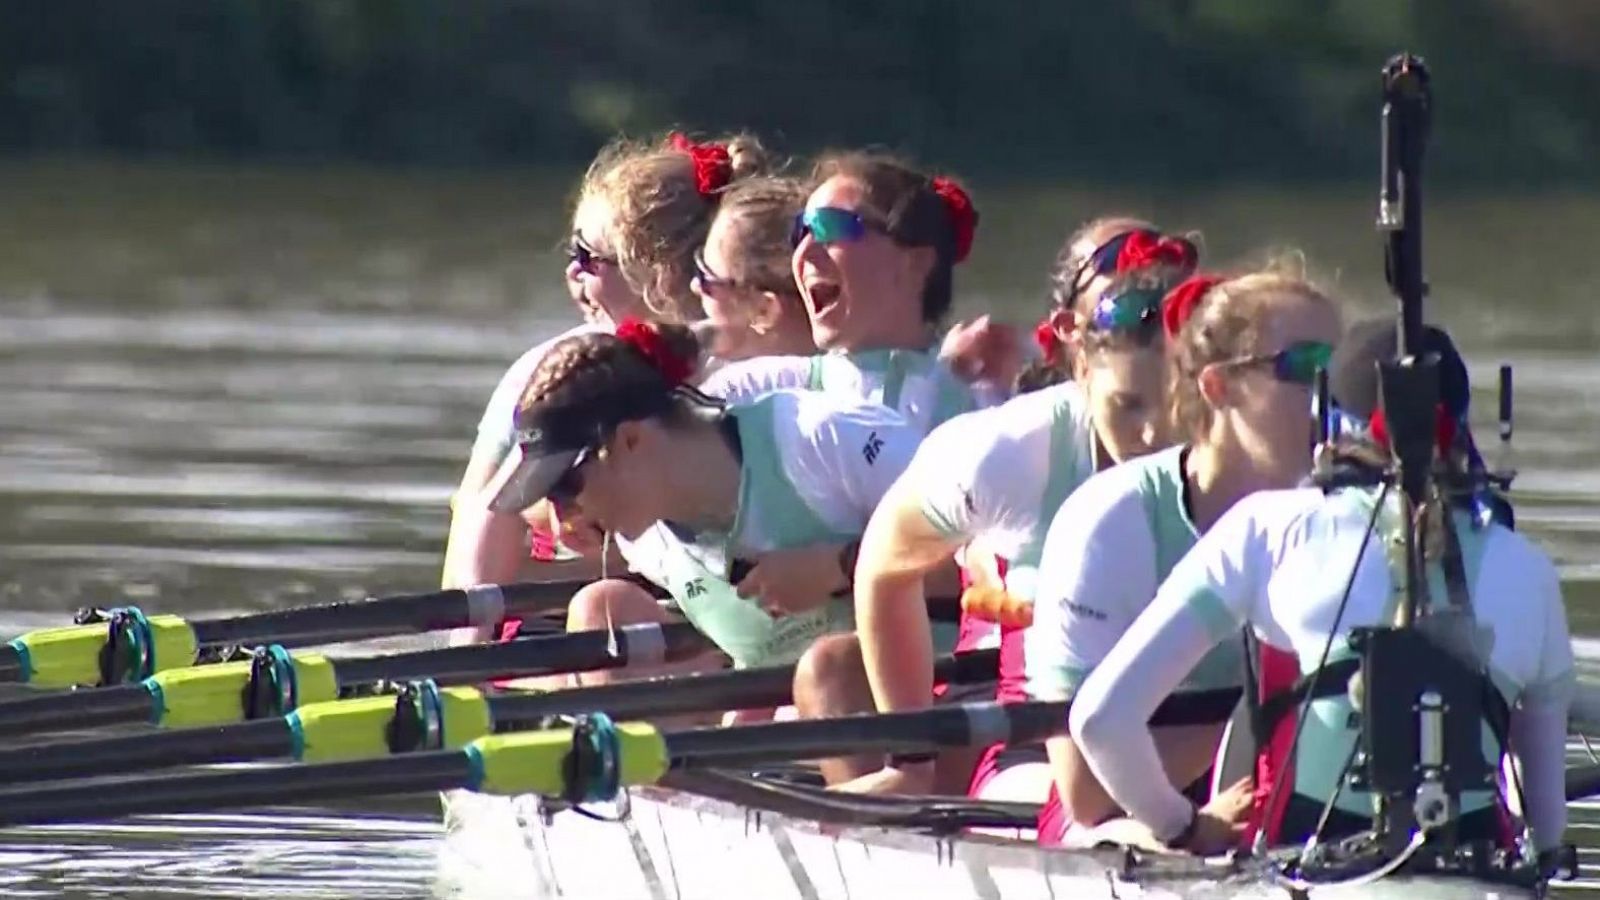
(1279, 561)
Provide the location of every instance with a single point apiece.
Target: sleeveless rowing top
(992, 479)
(812, 470)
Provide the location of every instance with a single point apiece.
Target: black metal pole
(241, 742)
(70, 710)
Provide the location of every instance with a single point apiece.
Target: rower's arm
(1539, 719)
(1202, 602)
(1186, 752)
(900, 547)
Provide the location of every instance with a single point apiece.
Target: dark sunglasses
(566, 489)
(830, 225)
(707, 280)
(589, 260)
(1297, 363)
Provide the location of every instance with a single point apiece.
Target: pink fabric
(1053, 821)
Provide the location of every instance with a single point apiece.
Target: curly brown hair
(658, 215)
(603, 379)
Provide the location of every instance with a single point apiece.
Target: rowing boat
(730, 838)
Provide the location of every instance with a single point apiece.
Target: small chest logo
(693, 588)
(872, 448)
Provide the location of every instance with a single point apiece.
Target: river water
(243, 389)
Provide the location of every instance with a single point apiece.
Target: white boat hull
(675, 846)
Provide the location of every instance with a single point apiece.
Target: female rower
(1302, 568)
(749, 297)
(609, 430)
(642, 214)
(1243, 354)
(874, 254)
(990, 481)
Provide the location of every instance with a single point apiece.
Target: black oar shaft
(88, 708)
(384, 616)
(243, 742)
(730, 689)
(255, 786)
(575, 651)
(11, 668)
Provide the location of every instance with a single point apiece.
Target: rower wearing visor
(610, 430)
(1301, 569)
(1243, 354)
(982, 486)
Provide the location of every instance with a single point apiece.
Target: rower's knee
(830, 679)
(612, 602)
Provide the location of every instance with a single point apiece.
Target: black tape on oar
(273, 689)
(129, 653)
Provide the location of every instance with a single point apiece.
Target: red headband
(1180, 303)
(646, 339)
(713, 166)
(963, 218)
(1044, 334)
(1147, 248)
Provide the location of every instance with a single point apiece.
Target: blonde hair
(658, 215)
(760, 213)
(1227, 324)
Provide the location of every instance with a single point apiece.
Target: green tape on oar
(359, 728)
(66, 657)
(534, 761)
(214, 695)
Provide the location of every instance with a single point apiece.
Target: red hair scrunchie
(1180, 303)
(963, 217)
(1148, 248)
(713, 165)
(644, 337)
(1044, 334)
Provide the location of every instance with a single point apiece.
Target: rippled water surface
(229, 391)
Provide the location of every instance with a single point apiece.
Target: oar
(424, 717)
(590, 761)
(277, 681)
(130, 646)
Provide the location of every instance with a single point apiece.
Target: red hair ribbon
(644, 338)
(963, 217)
(1044, 334)
(1147, 248)
(713, 166)
(1180, 303)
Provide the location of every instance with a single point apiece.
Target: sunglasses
(565, 490)
(1297, 363)
(706, 280)
(830, 225)
(1128, 311)
(589, 260)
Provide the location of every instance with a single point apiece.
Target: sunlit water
(230, 391)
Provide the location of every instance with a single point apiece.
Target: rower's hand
(575, 532)
(983, 350)
(785, 582)
(916, 778)
(1221, 823)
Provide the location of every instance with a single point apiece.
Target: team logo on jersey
(872, 448)
(695, 587)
